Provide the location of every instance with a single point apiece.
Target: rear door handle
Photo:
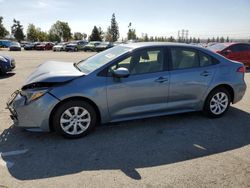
(161, 79)
(205, 73)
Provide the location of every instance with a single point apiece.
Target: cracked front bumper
(35, 114)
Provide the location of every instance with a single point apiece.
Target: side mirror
(121, 72)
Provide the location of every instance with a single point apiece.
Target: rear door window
(184, 58)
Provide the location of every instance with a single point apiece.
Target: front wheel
(74, 119)
(217, 103)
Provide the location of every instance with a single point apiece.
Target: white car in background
(60, 47)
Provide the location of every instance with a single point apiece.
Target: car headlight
(32, 95)
(3, 59)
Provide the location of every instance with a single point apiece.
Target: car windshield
(100, 59)
(217, 47)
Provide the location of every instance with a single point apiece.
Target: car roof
(155, 44)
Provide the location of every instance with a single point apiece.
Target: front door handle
(205, 73)
(161, 79)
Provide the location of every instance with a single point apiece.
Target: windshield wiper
(75, 65)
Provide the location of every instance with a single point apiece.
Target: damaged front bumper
(35, 114)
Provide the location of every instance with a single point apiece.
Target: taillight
(241, 69)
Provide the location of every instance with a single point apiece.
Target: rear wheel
(74, 119)
(217, 103)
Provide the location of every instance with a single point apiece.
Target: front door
(145, 91)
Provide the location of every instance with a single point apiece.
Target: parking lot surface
(186, 150)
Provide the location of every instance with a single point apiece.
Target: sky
(203, 18)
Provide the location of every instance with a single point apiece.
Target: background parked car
(6, 64)
(5, 43)
(234, 51)
(75, 46)
(23, 43)
(60, 46)
(15, 46)
(44, 46)
(31, 46)
(91, 46)
(103, 46)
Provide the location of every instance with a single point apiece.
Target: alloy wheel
(75, 120)
(219, 103)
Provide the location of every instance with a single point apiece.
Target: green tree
(17, 30)
(3, 31)
(131, 32)
(101, 33)
(78, 36)
(60, 31)
(217, 39)
(222, 39)
(227, 40)
(32, 33)
(85, 36)
(108, 36)
(42, 35)
(190, 40)
(95, 35)
(208, 40)
(113, 30)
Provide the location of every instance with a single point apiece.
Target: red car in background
(44, 46)
(234, 51)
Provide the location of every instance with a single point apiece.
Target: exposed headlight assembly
(32, 95)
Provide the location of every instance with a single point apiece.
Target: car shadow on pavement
(126, 146)
(7, 75)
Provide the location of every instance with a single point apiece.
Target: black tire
(208, 103)
(68, 105)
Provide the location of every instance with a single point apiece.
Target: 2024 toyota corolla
(127, 82)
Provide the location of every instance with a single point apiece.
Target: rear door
(191, 73)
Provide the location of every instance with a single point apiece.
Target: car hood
(15, 46)
(7, 57)
(55, 72)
